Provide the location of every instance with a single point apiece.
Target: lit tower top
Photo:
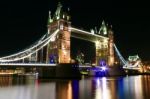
(50, 20)
(58, 12)
(103, 29)
(56, 16)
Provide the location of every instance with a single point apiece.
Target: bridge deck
(27, 64)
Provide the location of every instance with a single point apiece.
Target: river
(128, 87)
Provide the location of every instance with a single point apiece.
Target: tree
(80, 58)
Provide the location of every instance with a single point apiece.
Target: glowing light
(92, 31)
(53, 39)
(61, 27)
(28, 52)
(69, 28)
(68, 17)
(97, 43)
(102, 89)
(105, 41)
(98, 82)
(102, 62)
(103, 68)
(57, 17)
(120, 56)
(105, 31)
(25, 53)
(133, 58)
(69, 91)
(88, 33)
(5, 73)
(65, 52)
(26, 64)
(63, 16)
(106, 92)
(111, 62)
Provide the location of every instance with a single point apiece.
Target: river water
(129, 87)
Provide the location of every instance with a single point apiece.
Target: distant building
(133, 59)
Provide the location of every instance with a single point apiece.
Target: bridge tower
(102, 47)
(111, 57)
(58, 50)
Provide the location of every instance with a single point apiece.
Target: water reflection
(146, 87)
(63, 90)
(21, 88)
(85, 89)
(122, 87)
(104, 89)
(6, 81)
(135, 87)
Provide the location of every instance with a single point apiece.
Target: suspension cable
(30, 50)
(120, 56)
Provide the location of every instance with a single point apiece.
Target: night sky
(25, 21)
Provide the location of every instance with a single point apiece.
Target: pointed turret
(103, 29)
(50, 20)
(58, 12)
(95, 29)
(60, 46)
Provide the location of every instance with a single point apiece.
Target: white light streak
(29, 51)
(88, 33)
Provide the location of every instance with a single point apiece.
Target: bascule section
(58, 50)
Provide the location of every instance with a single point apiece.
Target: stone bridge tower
(58, 50)
(105, 47)
(111, 57)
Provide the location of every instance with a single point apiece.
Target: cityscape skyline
(25, 22)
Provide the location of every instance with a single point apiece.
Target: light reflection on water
(129, 87)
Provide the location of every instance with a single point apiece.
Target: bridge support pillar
(67, 70)
(116, 71)
(46, 72)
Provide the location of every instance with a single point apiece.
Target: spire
(95, 29)
(58, 10)
(103, 22)
(68, 9)
(111, 26)
(103, 29)
(50, 14)
(50, 18)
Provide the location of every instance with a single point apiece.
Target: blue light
(52, 58)
(103, 68)
(101, 71)
(102, 62)
(51, 61)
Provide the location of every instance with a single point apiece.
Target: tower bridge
(54, 46)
